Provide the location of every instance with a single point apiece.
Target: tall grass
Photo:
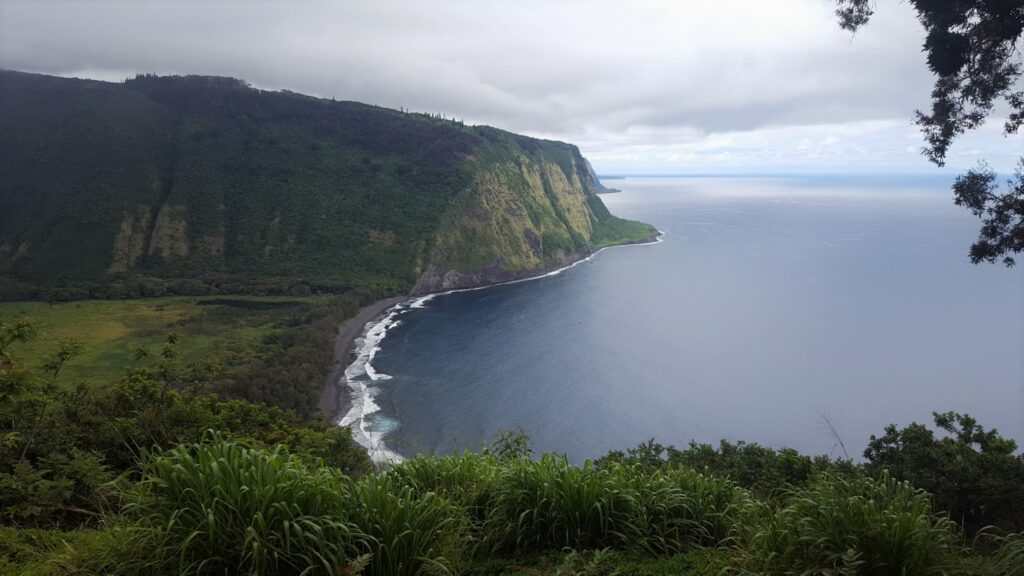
(404, 533)
(1006, 556)
(852, 527)
(516, 505)
(465, 479)
(227, 508)
(550, 504)
(1009, 558)
(712, 509)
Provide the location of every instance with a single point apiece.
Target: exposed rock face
(519, 218)
(436, 280)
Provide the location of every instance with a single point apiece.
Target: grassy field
(112, 330)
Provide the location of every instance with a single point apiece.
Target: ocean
(805, 312)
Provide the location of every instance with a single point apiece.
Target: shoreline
(338, 405)
(344, 346)
(525, 275)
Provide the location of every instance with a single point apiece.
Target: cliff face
(203, 183)
(598, 186)
(526, 212)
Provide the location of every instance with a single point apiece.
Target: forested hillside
(195, 184)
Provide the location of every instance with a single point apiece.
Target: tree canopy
(971, 47)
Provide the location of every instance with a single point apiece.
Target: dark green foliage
(271, 494)
(1002, 229)
(290, 367)
(1008, 560)
(225, 508)
(403, 532)
(855, 527)
(972, 48)
(60, 445)
(516, 504)
(972, 473)
(604, 562)
(765, 471)
(203, 185)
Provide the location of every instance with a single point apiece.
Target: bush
(1009, 558)
(465, 480)
(765, 471)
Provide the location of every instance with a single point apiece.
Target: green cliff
(598, 186)
(205, 184)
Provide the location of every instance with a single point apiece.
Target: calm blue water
(771, 304)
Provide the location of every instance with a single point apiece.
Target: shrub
(765, 471)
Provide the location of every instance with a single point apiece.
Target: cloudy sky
(642, 87)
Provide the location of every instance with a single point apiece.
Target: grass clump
(514, 504)
(227, 508)
(404, 533)
(551, 504)
(854, 526)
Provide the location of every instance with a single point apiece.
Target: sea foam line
(362, 379)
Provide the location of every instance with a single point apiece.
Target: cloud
(622, 80)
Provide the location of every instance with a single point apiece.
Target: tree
(972, 50)
(972, 473)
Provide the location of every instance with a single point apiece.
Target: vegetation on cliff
(197, 185)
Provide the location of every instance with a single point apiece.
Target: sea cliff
(197, 185)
